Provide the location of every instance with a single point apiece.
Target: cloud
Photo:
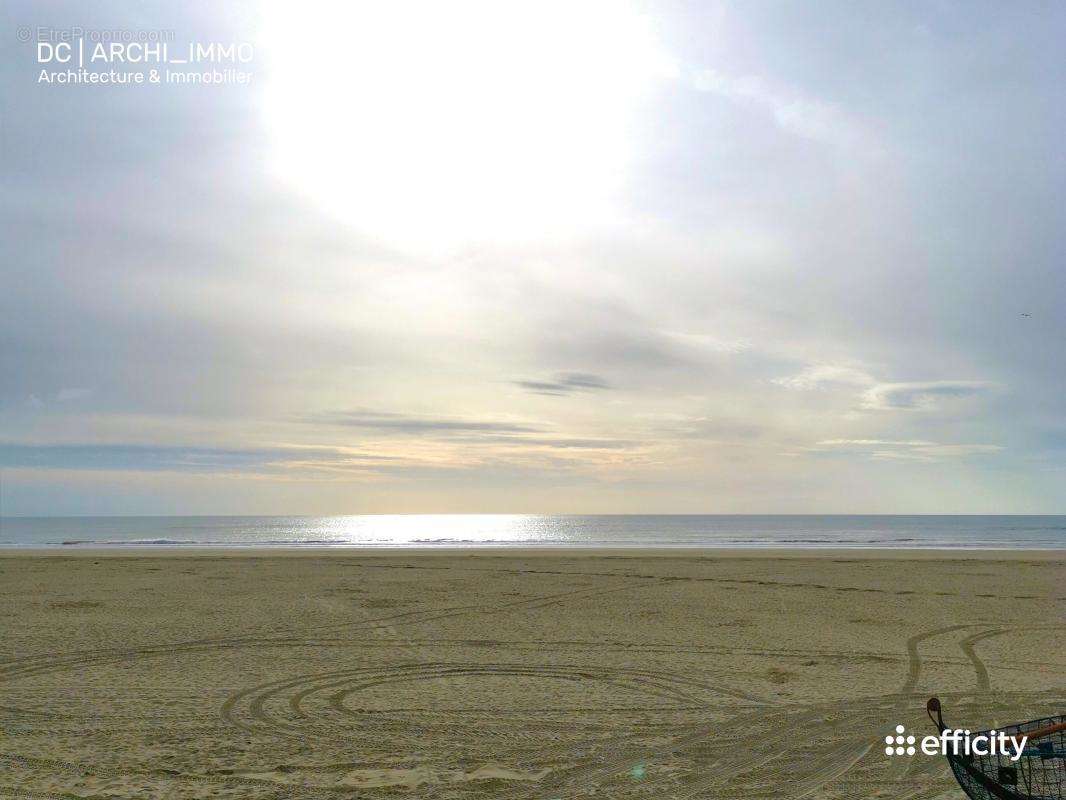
(558, 443)
(791, 111)
(566, 383)
(927, 395)
(866, 442)
(706, 429)
(176, 458)
(904, 449)
(883, 396)
(35, 401)
(707, 342)
(818, 376)
(961, 449)
(403, 423)
(936, 452)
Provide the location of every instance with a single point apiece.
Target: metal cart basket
(1040, 773)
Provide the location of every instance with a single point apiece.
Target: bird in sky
(1026, 315)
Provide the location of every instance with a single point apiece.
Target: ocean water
(529, 530)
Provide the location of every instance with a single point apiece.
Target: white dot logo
(899, 744)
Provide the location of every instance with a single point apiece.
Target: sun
(436, 124)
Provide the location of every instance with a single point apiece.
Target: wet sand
(512, 674)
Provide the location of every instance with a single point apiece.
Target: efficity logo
(956, 742)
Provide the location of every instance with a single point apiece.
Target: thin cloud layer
(915, 450)
(165, 458)
(403, 423)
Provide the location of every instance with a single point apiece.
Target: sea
(535, 530)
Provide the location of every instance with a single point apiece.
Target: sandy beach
(512, 674)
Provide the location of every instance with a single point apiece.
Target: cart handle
(933, 707)
(1040, 733)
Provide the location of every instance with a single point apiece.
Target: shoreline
(314, 551)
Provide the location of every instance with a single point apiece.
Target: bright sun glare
(433, 124)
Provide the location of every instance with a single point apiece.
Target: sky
(750, 257)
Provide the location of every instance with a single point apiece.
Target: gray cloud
(566, 383)
(887, 396)
(879, 395)
(403, 423)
